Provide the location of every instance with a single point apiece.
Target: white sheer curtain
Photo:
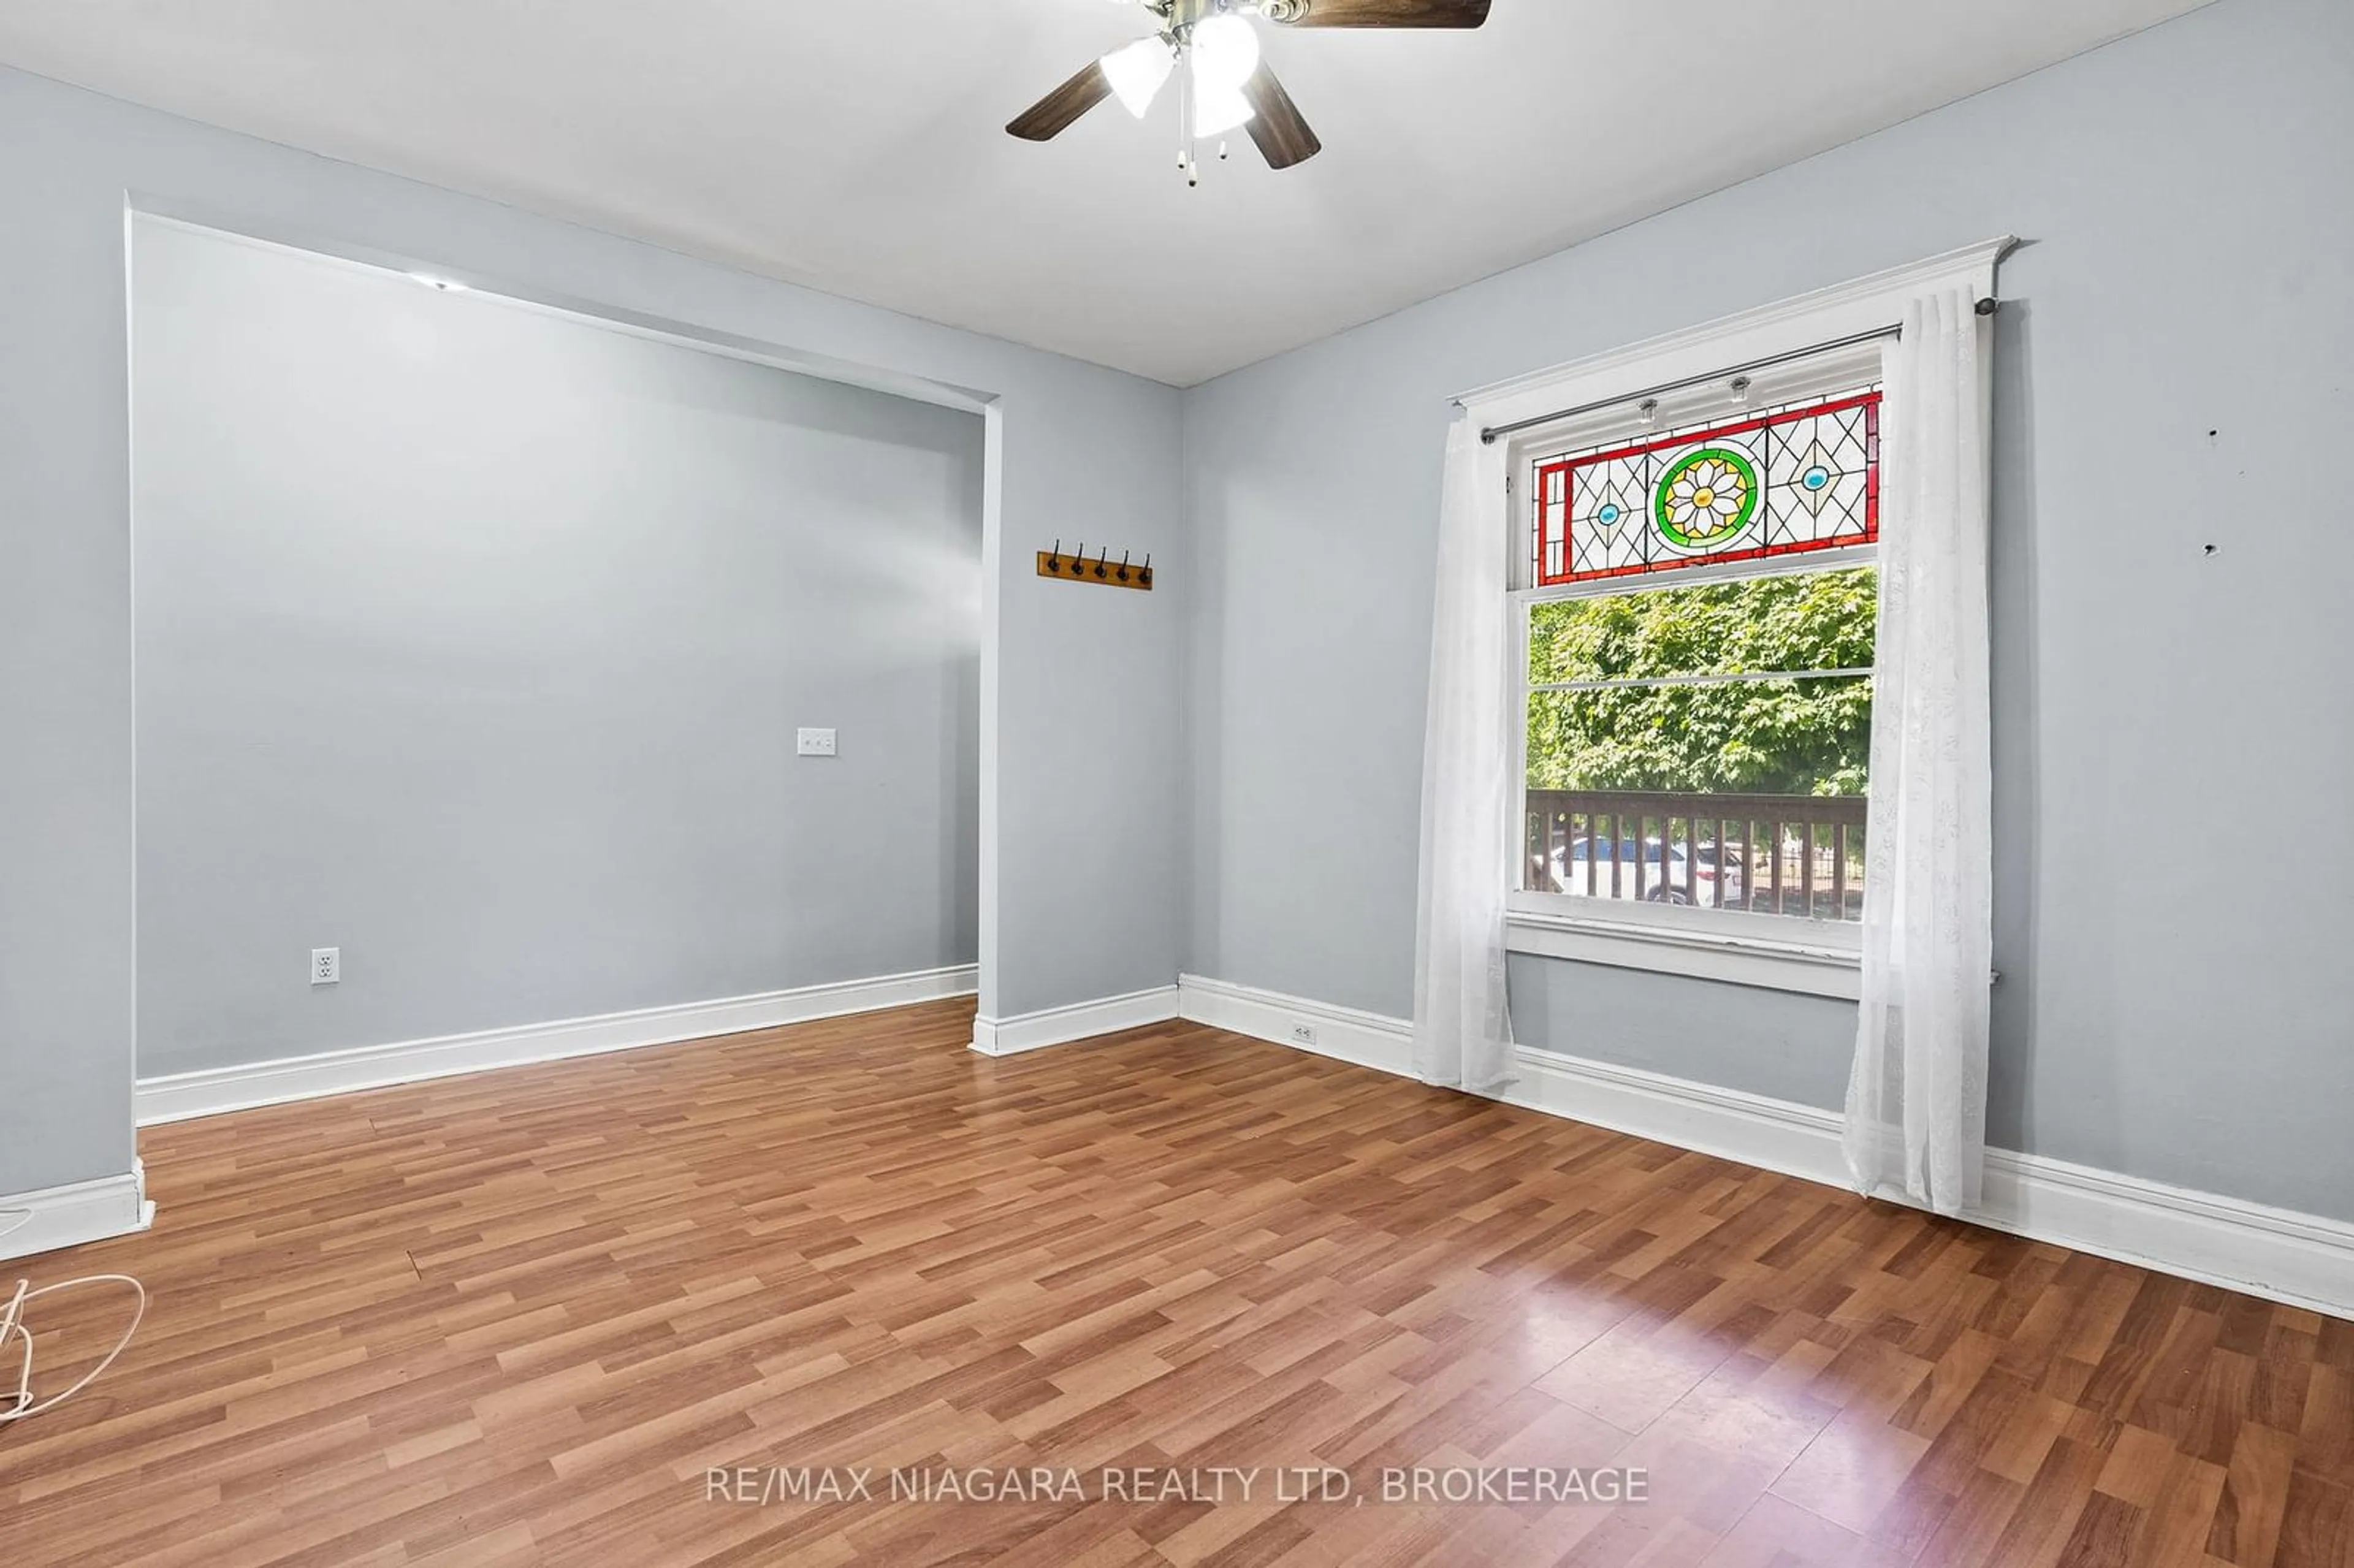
(1917, 1101)
(1462, 1030)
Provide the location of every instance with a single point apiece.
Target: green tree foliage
(1773, 737)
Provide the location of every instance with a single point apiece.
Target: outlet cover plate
(817, 743)
(327, 966)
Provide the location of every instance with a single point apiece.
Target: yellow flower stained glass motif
(1707, 498)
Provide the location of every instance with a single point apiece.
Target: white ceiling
(856, 145)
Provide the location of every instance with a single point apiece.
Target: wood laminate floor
(518, 1318)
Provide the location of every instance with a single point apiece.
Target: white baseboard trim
(1078, 1021)
(1754, 1129)
(2304, 1260)
(77, 1213)
(180, 1097)
(1344, 1034)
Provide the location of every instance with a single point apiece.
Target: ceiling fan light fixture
(1138, 72)
(1225, 53)
(1225, 85)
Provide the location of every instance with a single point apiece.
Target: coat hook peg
(1054, 561)
(1147, 576)
(1103, 561)
(1123, 566)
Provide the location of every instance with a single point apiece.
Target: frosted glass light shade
(1218, 110)
(1225, 53)
(1138, 72)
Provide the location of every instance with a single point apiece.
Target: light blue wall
(2175, 365)
(1087, 452)
(1771, 1042)
(472, 640)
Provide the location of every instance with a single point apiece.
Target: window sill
(1807, 968)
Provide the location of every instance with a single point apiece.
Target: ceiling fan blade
(1060, 109)
(1278, 128)
(1378, 13)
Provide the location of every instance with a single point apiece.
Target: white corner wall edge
(2303, 1260)
(180, 1097)
(77, 1213)
(1078, 1021)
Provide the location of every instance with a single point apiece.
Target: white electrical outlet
(327, 966)
(1303, 1035)
(817, 743)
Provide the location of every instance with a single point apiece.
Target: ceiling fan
(1223, 84)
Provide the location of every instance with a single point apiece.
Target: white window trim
(1830, 967)
(1815, 957)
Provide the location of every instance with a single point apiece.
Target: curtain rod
(1987, 307)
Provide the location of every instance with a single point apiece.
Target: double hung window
(1697, 599)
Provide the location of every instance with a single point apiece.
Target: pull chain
(1184, 117)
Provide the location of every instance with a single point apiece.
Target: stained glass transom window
(1788, 480)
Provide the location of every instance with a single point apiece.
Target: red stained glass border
(1546, 544)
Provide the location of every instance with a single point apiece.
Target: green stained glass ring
(1706, 498)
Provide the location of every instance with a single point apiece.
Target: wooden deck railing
(1788, 855)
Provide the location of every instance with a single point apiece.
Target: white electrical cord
(18, 1405)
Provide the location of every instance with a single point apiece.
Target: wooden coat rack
(1103, 571)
